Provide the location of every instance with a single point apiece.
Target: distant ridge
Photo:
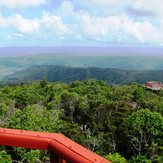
(75, 50)
(69, 74)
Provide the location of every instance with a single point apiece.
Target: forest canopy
(121, 123)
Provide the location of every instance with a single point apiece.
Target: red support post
(54, 158)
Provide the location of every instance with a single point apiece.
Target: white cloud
(50, 24)
(67, 7)
(141, 31)
(122, 28)
(154, 6)
(20, 3)
(112, 28)
(54, 23)
(14, 35)
(104, 3)
(24, 25)
(103, 7)
(67, 23)
(3, 22)
(118, 6)
(101, 26)
(20, 23)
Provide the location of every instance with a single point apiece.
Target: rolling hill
(69, 74)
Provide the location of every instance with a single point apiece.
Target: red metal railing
(61, 148)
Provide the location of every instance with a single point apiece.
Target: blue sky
(81, 22)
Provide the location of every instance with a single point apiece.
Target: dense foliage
(121, 123)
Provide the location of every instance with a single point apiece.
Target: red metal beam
(58, 144)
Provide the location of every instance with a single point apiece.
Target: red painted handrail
(60, 147)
